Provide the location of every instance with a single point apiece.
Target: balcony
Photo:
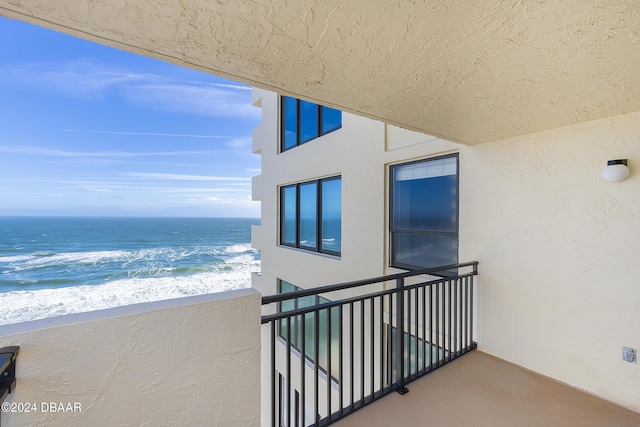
(338, 348)
(359, 336)
(196, 361)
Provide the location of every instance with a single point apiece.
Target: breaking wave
(233, 273)
(57, 266)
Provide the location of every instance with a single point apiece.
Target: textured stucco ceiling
(469, 71)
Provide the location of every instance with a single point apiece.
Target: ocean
(51, 266)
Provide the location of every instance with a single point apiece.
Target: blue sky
(90, 130)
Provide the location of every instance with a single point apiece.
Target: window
(417, 353)
(302, 121)
(424, 213)
(311, 215)
(309, 327)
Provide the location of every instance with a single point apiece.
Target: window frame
(393, 231)
(318, 248)
(319, 122)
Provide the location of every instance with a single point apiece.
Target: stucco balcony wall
(191, 361)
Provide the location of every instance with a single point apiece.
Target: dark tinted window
(424, 213)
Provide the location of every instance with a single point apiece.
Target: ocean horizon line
(128, 216)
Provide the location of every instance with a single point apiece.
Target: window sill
(310, 252)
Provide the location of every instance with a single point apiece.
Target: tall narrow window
(289, 200)
(424, 213)
(311, 215)
(331, 239)
(289, 123)
(302, 121)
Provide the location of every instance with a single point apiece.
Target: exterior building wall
(559, 252)
(557, 245)
(188, 362)
(329, 155)
(358, 152)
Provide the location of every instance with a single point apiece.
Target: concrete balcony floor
(481, 390)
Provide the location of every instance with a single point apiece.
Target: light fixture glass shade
(615, 171)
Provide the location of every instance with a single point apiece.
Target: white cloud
(173, 176)
(240, 143)
(119, 186)
(46, 152)
(224, 85)
(80, 78)
(241, 202)
(99, 190)
(89, 78)
(176, 135)
(193, 99)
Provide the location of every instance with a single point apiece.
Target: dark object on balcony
(8, 356)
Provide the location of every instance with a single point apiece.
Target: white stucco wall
(337, 153)
(188, 362)
(559, 253)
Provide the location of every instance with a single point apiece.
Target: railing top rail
(347, 285)
(326, 305)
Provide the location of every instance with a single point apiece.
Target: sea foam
(37, 304)
(52, 266)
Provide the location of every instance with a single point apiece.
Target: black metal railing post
(400, 368)
(273, 373)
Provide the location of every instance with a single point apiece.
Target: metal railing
(371, 337)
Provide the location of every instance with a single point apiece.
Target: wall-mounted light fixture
(615, 171)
